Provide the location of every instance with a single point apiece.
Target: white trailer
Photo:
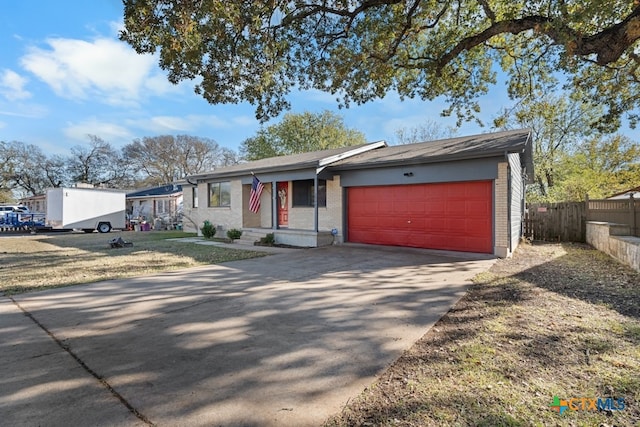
(86, 209)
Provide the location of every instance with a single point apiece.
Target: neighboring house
(36, 204)
(461, 194)
(632, 192)
(164, 203)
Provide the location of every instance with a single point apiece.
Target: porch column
(274, 206)
(315, 203)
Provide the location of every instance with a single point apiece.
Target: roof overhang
(317, 165)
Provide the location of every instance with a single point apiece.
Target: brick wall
(329, 217)
(190, 218)
(501, 245)
(262, 218)
(226, 217)
(615, 240)
(334, 214)
(517, 194)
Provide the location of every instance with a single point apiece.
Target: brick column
(501, 216)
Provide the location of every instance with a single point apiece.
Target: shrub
(234, 234)
(269, 239)
(208, 230)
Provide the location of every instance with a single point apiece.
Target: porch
(288, 236)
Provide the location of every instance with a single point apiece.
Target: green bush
(269, 239)
(208, 230)
(234, 234)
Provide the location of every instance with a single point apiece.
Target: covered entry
(450, 216)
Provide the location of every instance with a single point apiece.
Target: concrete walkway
(281, 340)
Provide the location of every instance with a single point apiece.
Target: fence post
(586, 207)
(632, 208)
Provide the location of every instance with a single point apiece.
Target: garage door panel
(418, 210)
(367, 223)
(389, 222)
(476, 226)
(452, 216)
(477, 208)
(417, 223)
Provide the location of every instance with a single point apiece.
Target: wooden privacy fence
(567, 221)
(564, 222)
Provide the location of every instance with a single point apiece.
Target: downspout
(315, 202)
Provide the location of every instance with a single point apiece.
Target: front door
(283, 204)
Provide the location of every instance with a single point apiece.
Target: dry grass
(33, 262)
(556, 320)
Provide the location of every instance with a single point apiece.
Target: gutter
(323, 163)
(422, 160)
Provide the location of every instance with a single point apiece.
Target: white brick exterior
(517, 197)
(238, 214)
(329, 217)
(501, 214)
(226, 217)
(190, 218)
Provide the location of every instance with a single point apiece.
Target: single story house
(632, 192)
(460, 194)
(162, 203)
(36, 204)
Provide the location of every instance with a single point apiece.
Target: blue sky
(64, 74)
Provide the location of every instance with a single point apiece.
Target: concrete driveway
(282, 340)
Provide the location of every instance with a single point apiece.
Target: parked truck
(86, 209)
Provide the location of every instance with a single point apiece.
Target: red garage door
(451, 216)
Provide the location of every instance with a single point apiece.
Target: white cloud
(172, 123)
(12, 86)
(109, 132)
(29, 111)
(116, 27)
(189, 123)
(104, 69)
(316, 95)
(245, 121)
(3, 125)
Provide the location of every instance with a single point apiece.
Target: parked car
(14, 208)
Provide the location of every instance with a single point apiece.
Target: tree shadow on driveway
(281, 340)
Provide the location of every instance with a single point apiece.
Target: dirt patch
(556, 320)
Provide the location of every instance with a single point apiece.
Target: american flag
(256, 191)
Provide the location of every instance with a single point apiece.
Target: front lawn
(557, 320)
(33, 262)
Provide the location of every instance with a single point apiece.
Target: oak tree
(300, 133)
(259, 51)
(26, 171)
(97, 163)
(164, 159)
(599, 167)
(557, 125)
(429, 130)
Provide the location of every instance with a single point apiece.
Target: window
(163, 207)
(219, 194)
(194, 197)
(303, 193)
